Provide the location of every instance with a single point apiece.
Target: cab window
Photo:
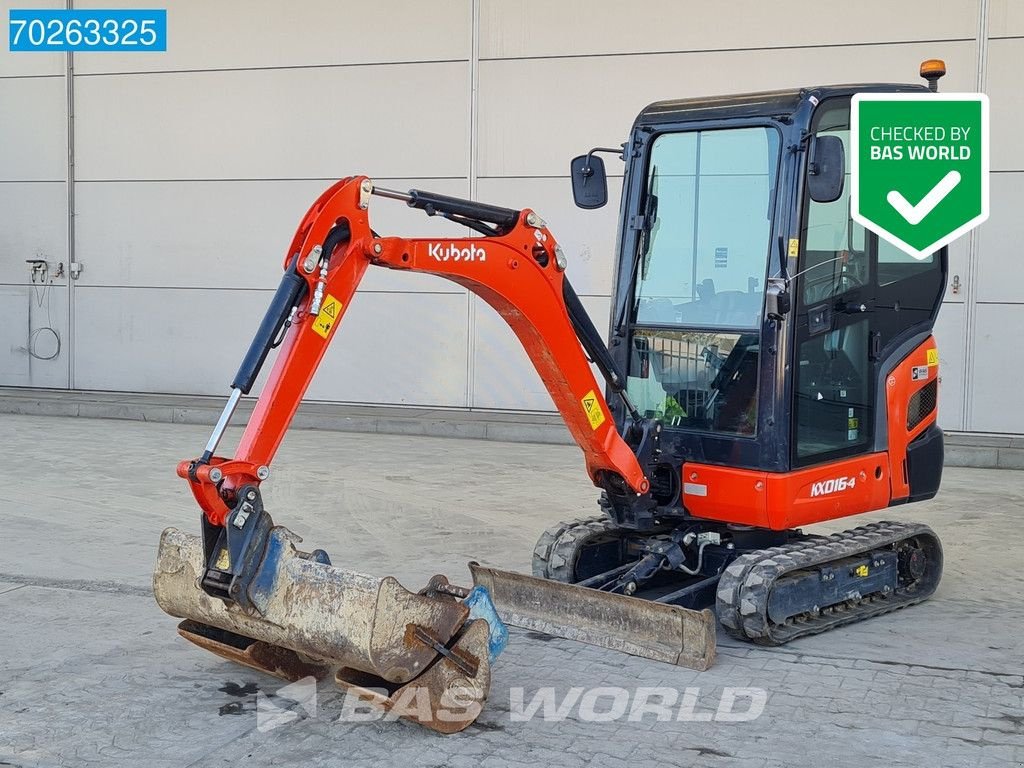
(699, 292)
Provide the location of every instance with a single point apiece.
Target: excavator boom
(248, 594)
(519, 270)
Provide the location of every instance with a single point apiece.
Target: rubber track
(557, 549)
(554, 556)
(746, 585)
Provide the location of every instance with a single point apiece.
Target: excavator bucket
(311, 618)
(629, 624)
(446, 698)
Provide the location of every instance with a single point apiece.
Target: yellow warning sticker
(794, 247)
(592, 407)
(328, 316)
(861, 570)
(933, 357)
(223, 561)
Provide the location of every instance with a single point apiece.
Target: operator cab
(731, 201)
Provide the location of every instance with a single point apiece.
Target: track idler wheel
(561, 548)
(912, 562)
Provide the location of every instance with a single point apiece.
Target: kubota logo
(834, 485)
(454, 253)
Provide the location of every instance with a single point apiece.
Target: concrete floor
(92, 673)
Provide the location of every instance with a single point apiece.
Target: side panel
(729, 495)
(838, 489)
(790, 499)
(911, 399)
(835, 489)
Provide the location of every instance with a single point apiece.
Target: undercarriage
(769, 587)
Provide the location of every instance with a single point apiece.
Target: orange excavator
(770, 365)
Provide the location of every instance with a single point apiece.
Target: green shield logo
(919, 167)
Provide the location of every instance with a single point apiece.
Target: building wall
(192, 168)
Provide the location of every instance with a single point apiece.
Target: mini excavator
(770, 365)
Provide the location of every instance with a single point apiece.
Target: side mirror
(589, 181)
(826, 171)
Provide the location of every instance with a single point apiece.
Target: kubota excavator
(770, 366)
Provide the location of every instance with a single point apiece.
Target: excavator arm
(248, 594)
(517, 268)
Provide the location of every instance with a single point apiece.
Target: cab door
(859, 303)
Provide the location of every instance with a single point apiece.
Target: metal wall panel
(586, 27)
(600, 96)
(190, 341)
(33, 225)
(1003, 87)
(949, 336)
(998, 315)
(225, 234)
(587, 237)
(48, 310)
(185, 341)
(400, 349)
(1005, 18)
(34, 64)
(1000, 260)
(14, 318)
(998, 369)
(33, 213)
(275, 124)
(278, 33)
(28, 314)
(503, 376)
(33, 129)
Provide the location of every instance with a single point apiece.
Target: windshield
(708, 213)
(701, 268)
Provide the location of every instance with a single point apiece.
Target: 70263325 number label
(87, 30)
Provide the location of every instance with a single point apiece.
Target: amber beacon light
(932, 70)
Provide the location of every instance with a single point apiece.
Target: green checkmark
(915, 213)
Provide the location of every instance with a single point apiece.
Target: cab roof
(760, 104)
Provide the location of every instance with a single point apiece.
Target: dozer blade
(314, 618)
(629, 624)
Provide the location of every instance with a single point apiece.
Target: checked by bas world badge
(919, 167)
